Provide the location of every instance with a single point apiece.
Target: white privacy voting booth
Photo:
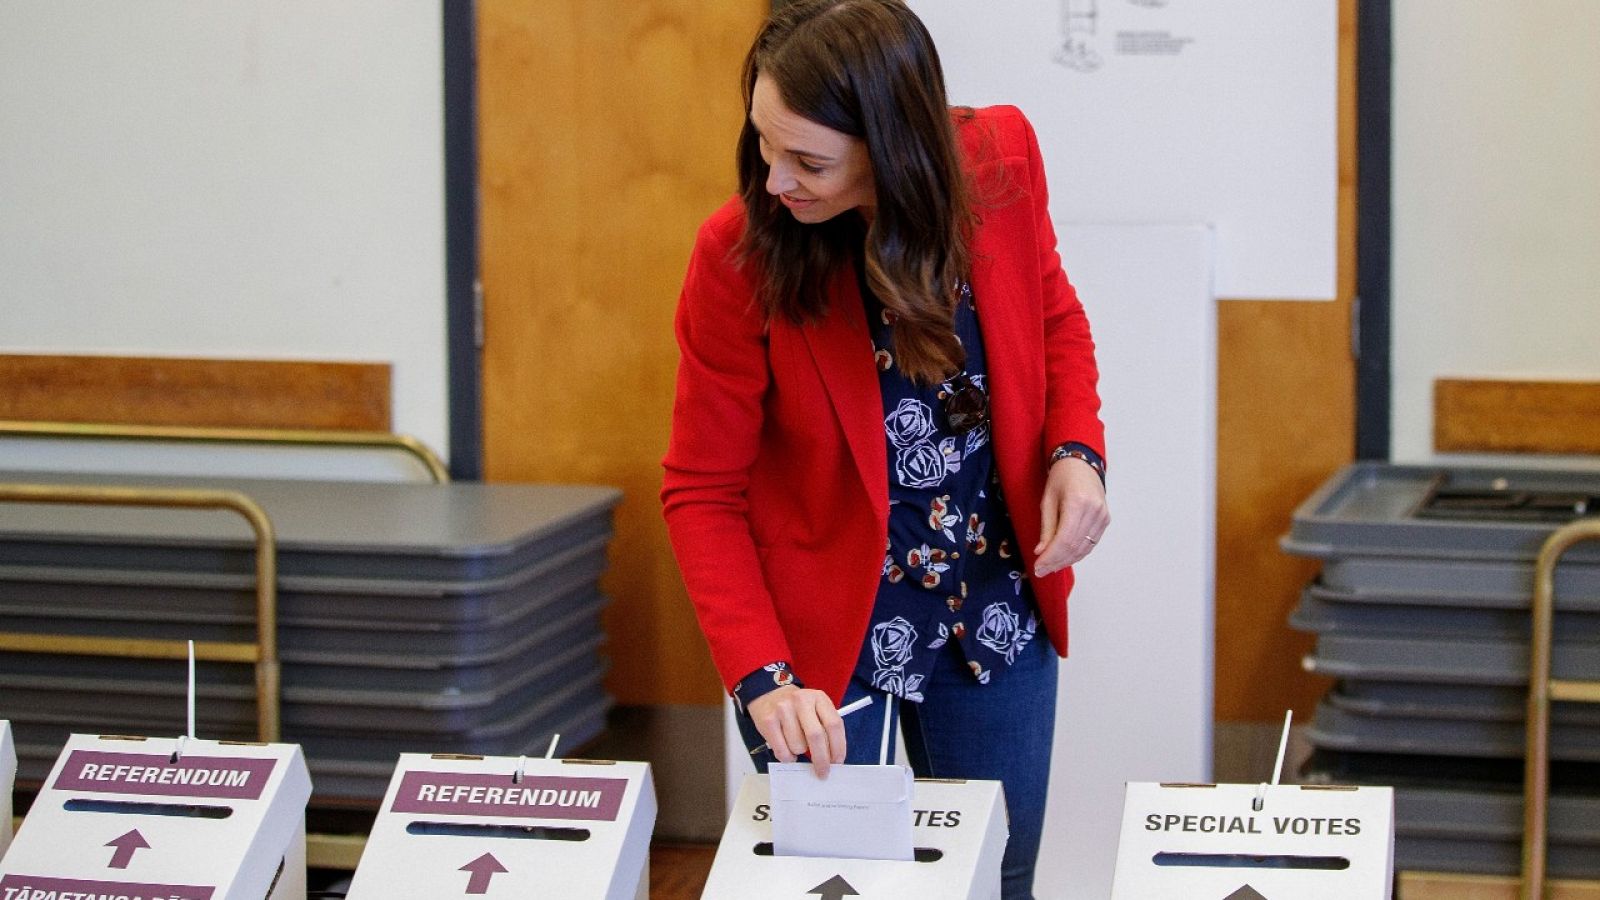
(8, 781)
(121, 817)
(958, 829)
(1250, 842)
(510, 828)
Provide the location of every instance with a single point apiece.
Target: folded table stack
(411, 617)
(1422, 611)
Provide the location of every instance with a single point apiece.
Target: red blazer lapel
(841, 346)
(1015, 354)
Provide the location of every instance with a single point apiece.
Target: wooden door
(606, 135)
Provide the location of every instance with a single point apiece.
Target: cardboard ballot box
(1211, 842)
(958, 828)
(120, 817)
(455, 825)
(8, 782)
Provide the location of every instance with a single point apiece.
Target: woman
(886, 451)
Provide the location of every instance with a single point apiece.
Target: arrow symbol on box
(834, 888)
(1245, 893)
(126, 846)
(483, 868)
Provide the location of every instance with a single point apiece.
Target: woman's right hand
(797, 720)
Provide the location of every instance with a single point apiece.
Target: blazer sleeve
(723, 376)
(1072, 398)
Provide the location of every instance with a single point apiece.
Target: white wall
(1136, 692)
(227, 178)
(1496, 252)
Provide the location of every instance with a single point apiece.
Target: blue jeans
(1000, 731)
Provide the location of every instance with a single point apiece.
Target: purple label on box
(154, 775)
(28, 887)
(488, 794)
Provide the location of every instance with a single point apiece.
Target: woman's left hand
(1073, 516)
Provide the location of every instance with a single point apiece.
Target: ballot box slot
(1251, 861)
(276, 877)
(515, 832)
(920, 854)
(1498, 504)
(148, 808)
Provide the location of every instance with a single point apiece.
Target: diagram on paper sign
(1082, 23)
(1079, 21)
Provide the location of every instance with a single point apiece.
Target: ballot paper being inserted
(857, 812)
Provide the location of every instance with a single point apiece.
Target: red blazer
(776, 492)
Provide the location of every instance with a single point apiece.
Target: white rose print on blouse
(892, 645)
(952, 455)
(921, 466)
(977, 437)
(1002, 632)
(918, 463)
(910, 424)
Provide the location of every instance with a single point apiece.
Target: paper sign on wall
(148, 817)
(508, 827)
(1255, 842)
(1248, 89)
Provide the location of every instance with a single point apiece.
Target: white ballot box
(958, 829)
(8, 783)
(120, 817)
(1255, 842)
(454, 825)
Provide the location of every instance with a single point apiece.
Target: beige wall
(1496, 199)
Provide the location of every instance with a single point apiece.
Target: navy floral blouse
(952, 573)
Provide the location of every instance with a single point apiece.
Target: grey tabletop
(467, 518)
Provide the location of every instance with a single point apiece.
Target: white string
(522, 765)
(551, 753)
(177, 750)
(191, 690)
(1283, 744)
(1277, 767)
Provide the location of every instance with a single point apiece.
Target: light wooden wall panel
(1285, 422)
(607, 132)
(223, 393)
(1515, 416)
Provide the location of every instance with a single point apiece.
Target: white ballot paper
(857, 812)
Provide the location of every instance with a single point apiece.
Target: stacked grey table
(1422, 614)
(412, 617)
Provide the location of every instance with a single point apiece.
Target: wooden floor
(1446, 886)
(678, 871)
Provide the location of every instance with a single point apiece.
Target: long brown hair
(868, 69)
